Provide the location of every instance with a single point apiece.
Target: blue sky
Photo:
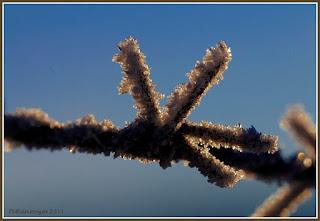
(58, 58)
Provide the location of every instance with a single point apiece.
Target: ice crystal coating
(34, 128)
(217, 135)
(216, 171)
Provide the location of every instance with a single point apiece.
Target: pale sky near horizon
(58, 58)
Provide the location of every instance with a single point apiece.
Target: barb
(216, 171)
(301, 128)
(285, 201)
(267, 167)
(205, 74)
(137, 82)
(238, 138)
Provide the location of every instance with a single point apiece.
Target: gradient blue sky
(58, 58)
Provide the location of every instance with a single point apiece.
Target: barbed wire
(223, 154)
